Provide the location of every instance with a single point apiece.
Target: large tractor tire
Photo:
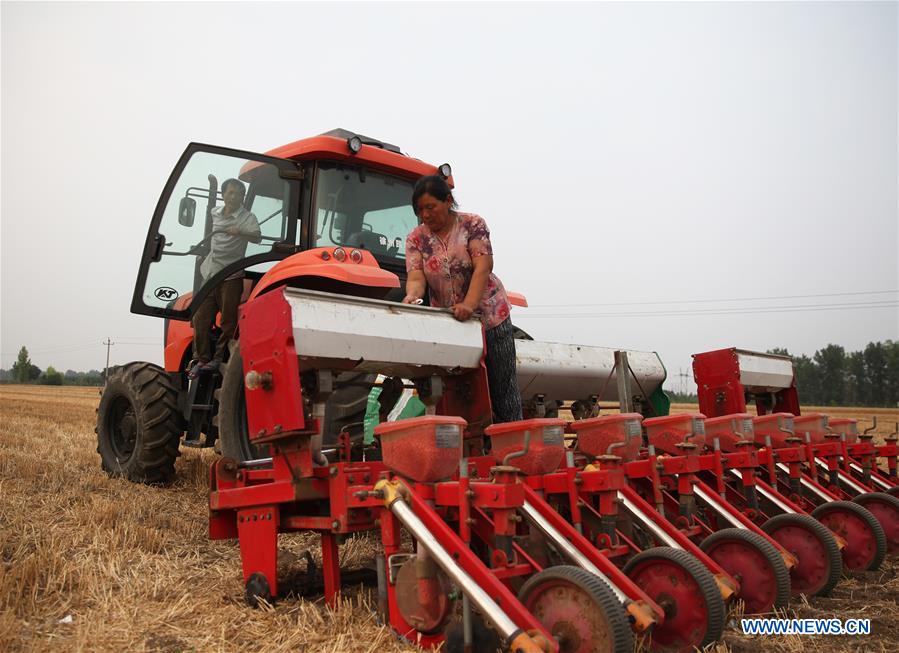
(345, 410)
(138, 424)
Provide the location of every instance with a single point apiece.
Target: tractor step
(196, 444)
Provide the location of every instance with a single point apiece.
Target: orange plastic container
(769, 426)
(729, 429)
(846, 426)
(815, 424)
(424, 449)
(546, 446)
(619, 435)
(664, 433)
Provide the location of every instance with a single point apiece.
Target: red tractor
(333, 212)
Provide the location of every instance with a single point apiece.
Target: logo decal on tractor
(166, 293)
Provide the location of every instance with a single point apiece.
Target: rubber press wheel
(885, 509)
(755, 563)
(686, 591)
(818, 565)
(578, 609)
(894, 491)
(866, 544)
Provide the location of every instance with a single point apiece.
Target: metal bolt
(333, 471)
(335, 524)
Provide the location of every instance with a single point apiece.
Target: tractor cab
(336, 191)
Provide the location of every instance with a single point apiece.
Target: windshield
(356, 207)
(202, 237)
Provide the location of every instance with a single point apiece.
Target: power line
(724, 311)
(734, 299)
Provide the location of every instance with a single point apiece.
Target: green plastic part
(660, 402)
(413, 408)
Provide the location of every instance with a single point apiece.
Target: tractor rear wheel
(686, 591)
(578, 609)
(755, 563)
(817, 554)
(345, 409)
(138, 424)
(866, 544)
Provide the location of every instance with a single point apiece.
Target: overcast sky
(637, 163)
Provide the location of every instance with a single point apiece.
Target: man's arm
(252, 232)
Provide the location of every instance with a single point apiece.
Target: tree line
(831, 377)
(24, 371)
(835, 377)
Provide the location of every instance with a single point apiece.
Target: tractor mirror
(187, 209)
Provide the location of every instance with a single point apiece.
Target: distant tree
(831, 366)
(6, 376)
(51, 377)
(21, 368)
(892, 380)
(856, 380)
(34, 372)
(808, 381)
(876, 368)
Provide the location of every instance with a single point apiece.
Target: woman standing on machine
(450, 254)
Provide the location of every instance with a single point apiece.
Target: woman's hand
(461, 312)
(411, 299)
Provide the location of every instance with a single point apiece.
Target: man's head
(233, 192)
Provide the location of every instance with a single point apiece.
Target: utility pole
(109, 343)
(683, 376)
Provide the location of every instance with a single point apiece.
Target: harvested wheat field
(92, 563)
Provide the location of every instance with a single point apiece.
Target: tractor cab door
(221, 211)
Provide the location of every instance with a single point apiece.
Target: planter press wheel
(818, 565)
(894, 491)
(885, 509)
(686, 591)
(578, 609)
(866, 544)
(755, 563)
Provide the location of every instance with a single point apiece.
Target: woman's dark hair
(436, 187)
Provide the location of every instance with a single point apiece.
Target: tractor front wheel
(345, 409)
(138, 424)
